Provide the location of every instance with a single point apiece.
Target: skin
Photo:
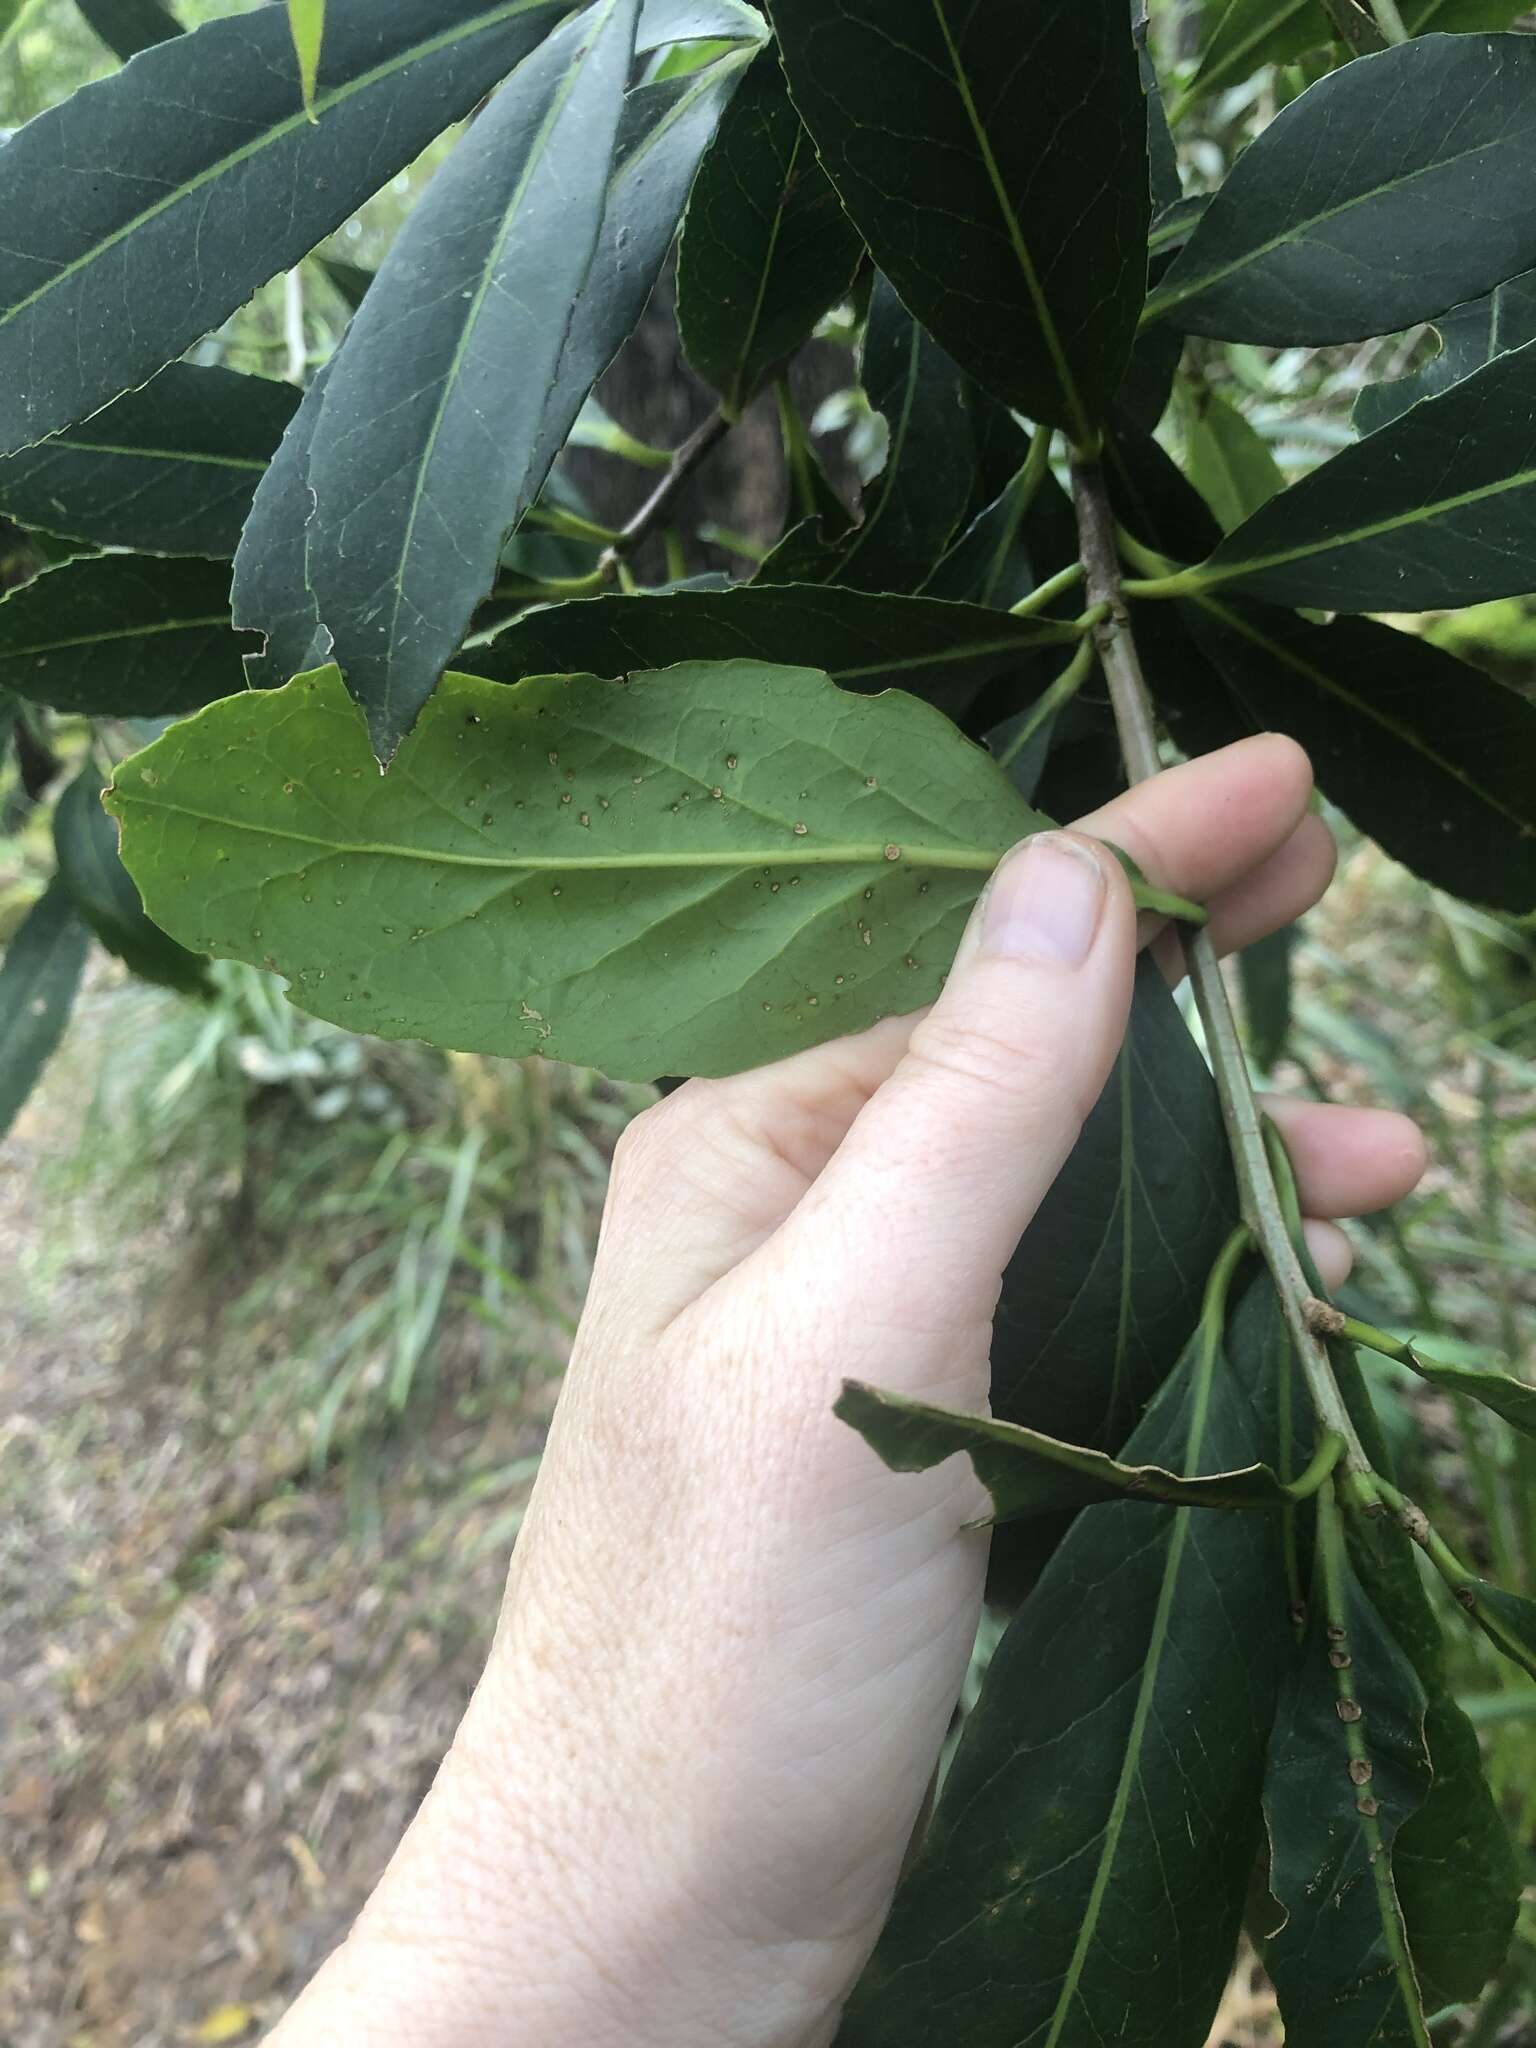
(678, 1803)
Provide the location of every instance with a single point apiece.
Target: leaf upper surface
(1470, 336)
(766, 247)
(121, 636)
(1083, 1877)
(425, 453)
(170, 469)
(1332, 225)
(525, 838)
(129, 205)
(996, 164)
(128, 26)
(942, 652)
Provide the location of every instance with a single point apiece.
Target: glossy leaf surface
(522, 836)
(1331, 226)
(130, 203)
(664, 130)
(38, 978)
(1015, 235)
(425, 453)
(766, 246)
(170, 469)
(121, 636)
(1051, 1900)
(1470, 336)
(943, 653)
(1029, 1474)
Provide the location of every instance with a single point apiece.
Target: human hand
(677, 1807)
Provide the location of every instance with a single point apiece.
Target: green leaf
(1227, 460)
(128, 26)
(170, 469)
(1332, 225)
(424, 454)
(524, 837)
(1348, 1766)
(766, 247)
(1098, 1302)
(1427, 755)
(85, 842)
(38, 978)
(1007, 154)
(1470, 336)
(1027, 1473)
(1265, 969)
(944, 653)
(121, 636)
(306, 24)
(115, 265)
(1508, 1397)
(1242, 35)
(665, 129)
(1507, 1619)
(1083, 1878)
(913, 507)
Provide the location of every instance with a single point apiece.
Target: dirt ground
(221, 1695)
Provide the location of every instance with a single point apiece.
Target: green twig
(797, 450)
(1261, 1207)
(570, 525)
(699, 444)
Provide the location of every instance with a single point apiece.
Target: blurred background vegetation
(285, 1310)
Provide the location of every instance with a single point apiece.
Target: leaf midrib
(116, 633)
(1157, 1643)
(269, 137)
(1026, 262)
(71, 445)
(1165, 298)
(1224, 572)
(851, 853)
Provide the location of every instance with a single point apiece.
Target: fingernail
(1044, 903)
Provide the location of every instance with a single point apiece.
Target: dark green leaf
(350, 279)
(147, 207)
(38, 978)
(1030, 1474)
(1167, 186)
(943, 653)
(1083, 1878)
(996, 164)
(170, 469)
(913, 507)
(1506, 1396)
(1332, 225)
(1348, 1766)
(990, 563)
(1265, 968)
(1227, 460)
(665, 129)
(1242, 35)
(128, 26)
(425, 454)
(1099, 1300)
(121, 636)
(1429, 756)
(766, 247)
(1454, 1868)
(1470, 336)
(85, 841)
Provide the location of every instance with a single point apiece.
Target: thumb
(946, 1164)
